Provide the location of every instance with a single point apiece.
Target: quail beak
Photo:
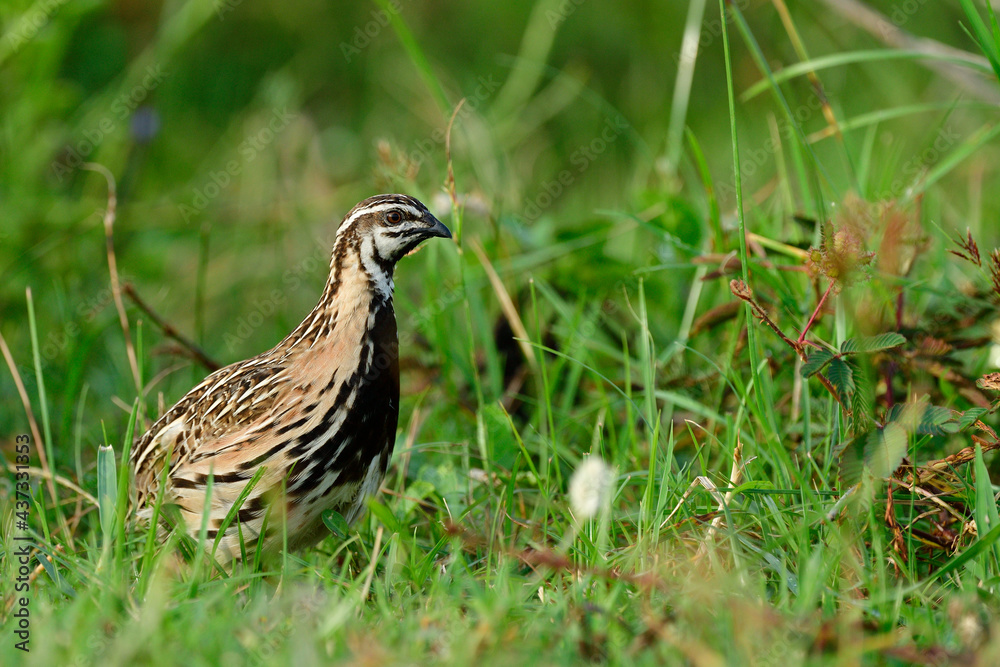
(437, 229)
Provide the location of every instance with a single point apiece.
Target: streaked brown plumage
(318, 411)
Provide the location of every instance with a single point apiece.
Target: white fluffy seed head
(995, 348)
(589, 487)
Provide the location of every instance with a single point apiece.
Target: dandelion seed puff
(589, 487)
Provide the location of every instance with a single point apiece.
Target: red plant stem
(819, 307)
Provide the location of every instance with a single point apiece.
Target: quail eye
(394, 217)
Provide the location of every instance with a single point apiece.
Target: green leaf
(842, 378)
(958, 155)
(416, 491)
(885, 449)
(885, 341)
(236, 507)
(850, 346)
(937, 421)
(336, 524)
(416, 55)
(385, 515)
(851, 456)
(51, 565)
(970, 417)
(880, 451)
(107, 491)
(919, 417)
(714, 217)
(756, 485)
(123, 479)
(981, 34)
(862, 418)
(986, 513)
(840, 59)
(816, 361)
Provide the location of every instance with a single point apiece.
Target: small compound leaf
(862, 418)
(970, 417)
(842, 378)
(924, 419)
(816, 361)
(885, 449)
(850, 346)
(885, 341)
(852, 463)
(937, 421)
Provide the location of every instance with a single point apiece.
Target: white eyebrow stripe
(378, 208)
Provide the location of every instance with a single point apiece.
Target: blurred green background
(240, 132)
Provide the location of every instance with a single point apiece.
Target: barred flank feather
(318, 411)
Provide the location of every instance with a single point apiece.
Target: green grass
(585, 309)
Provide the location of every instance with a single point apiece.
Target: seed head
(589, 487)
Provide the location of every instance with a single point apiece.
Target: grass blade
(107, 492)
